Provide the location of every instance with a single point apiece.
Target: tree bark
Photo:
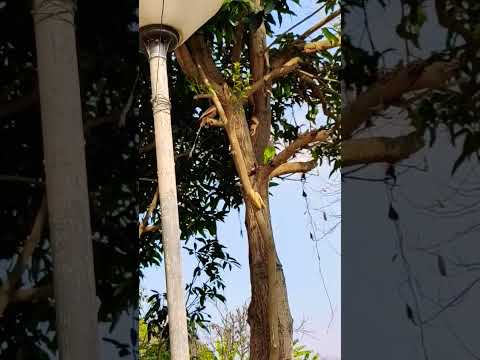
(269, 313)
(264, 300)
(258, 311)
(66, 180)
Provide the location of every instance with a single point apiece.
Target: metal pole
(177, 319)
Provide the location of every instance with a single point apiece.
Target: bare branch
(321, 45)
(294, 167)
(202, 96)
(211, 122)
(275, 74)
(129, 103)
(380, 149)
(302, 141)
(32, 294)
(203, 56)
(151, 208)
(416, 76)
(185, 60)
(321, 24)
(238, 44)
(151, 228)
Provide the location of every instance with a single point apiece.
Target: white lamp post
(164, 25)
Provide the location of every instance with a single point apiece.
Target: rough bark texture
(259, 305)
(271, 339)
(261, 100)
(66, 180)
(262, 251)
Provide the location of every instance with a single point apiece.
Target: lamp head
(175, 20)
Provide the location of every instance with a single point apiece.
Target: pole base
(160, 33)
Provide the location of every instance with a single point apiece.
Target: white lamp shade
(185, 16)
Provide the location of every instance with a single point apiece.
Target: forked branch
(251, 195)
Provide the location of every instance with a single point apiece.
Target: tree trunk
(271, 304)
(262, 346)
(260, 342)
(66, 180)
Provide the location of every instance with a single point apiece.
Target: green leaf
(329, 35)
(268, 154)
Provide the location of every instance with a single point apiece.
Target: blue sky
(292, 226)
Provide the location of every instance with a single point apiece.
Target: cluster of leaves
(300, 352)
(241, 81)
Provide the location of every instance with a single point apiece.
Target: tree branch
(275, 74)
(203, 56)
(29, 245)
(321, 45)
(238, 44)
(261, 118)
(321, 24)
(151, 208)
(298, 144)
(294, 167)
(317, 92)
(129, 103)
(32, 294)
(299, 46)
(211, 122)
(185, 60)
(416, 76)
(380, 149)
(240, 165)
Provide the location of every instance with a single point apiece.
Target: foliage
(151, 348)
(229, 340)
(300, 352)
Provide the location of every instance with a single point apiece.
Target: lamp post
(164, 25)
